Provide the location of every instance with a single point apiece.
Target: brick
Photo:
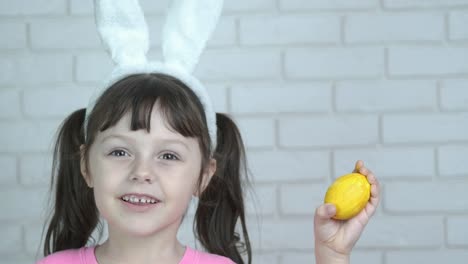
(297, 257)
(387, 163)
(33, 238)
(10, 104)
(327, 5)
(377, 28)
(457, 25)
(290, 29)
(328, 131)
(215, 65)
(454, 95)
(17, 259)
(301, 165)
(417, 128)
(271, 234)
(376, 96)
(423, 3)
(256, 132)
(301, 199)
(260, 200)
(9, 171)
(229, 6)
(452, 161)
(264, 258)
(402, 232)
(27, 136)
(427, 257)
(159, 7)
(39, 68)
(224, 34)
(83, 7)
(238, 65)
(35, 169)
(64, 33)
(32, 7)
(321, 63)
(424, 60)
(29, 203)
(86, 7)
(436, 197)
(11, 239)
(13, 35)
(273, 98)
(249, 5)
(55, 102)
(457, 233)
(356, 257)
(101, 67)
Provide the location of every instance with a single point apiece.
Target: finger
(375, 195)
(364, 171)
(325, 212)
(358, 165)
(375, 189)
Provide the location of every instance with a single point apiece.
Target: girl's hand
(334, 239)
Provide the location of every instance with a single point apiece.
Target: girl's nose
(142, 171)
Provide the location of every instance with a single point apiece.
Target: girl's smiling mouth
(139, 199)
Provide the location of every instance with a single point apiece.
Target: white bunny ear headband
(189, 24)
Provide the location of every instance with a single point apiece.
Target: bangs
(138, 94)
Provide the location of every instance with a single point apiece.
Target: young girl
(149, 142)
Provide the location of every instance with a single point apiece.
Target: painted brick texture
(314, 85)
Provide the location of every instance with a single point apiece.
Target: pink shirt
(85, 255)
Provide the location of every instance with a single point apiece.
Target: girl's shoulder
(193, 256)
(84, 255)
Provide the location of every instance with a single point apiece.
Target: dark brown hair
(74, 214)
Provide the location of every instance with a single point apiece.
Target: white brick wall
(291, 29)
(325, 131)
(458, 21)
(401, 27)
(329, 63)
(454, 95)
(314, 85)
(386, 96)
(427, 60)
(14, 35)
(33, 7)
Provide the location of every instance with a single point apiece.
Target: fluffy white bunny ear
(188, 27)
(123, 30)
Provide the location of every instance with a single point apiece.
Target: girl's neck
(162, 247)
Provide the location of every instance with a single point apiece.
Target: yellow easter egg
(350, 194)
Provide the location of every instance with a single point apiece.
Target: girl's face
(143, 182)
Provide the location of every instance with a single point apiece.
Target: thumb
(325, 212)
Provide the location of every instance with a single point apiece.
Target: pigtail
(221, 204)
(74, 215)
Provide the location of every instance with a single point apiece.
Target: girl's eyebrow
(117, 136)
(162, 140)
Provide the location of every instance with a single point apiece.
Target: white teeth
(133, 199)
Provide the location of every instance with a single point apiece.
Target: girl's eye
(169, 156)
(119, 153)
